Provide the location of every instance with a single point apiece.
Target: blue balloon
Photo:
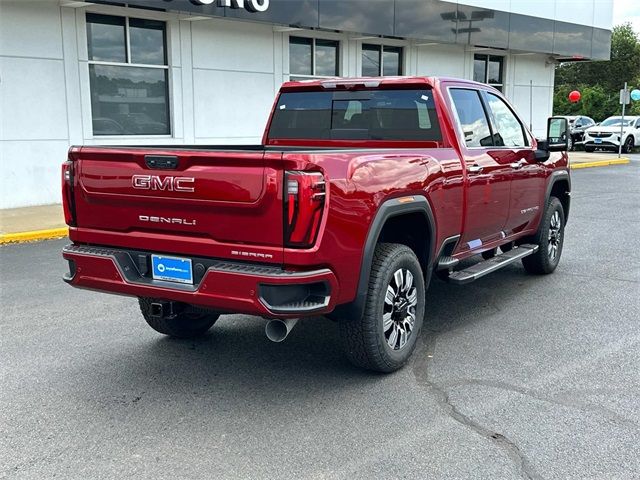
(635, 95)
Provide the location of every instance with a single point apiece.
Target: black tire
(628, 145)
(365, 341)
(507, 247)
(589, 149)
(550, 239)
(489, 254)
(570, 143)
(190, 323)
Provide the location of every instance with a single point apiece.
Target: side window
(473, 118)
(509, 131)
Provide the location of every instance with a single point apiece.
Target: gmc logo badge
(170, 184)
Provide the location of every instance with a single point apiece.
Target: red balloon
(574, 96)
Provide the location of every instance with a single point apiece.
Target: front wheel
(550, 239)
(628, 145)
(385, 336)
(190, 323)
(589, 149)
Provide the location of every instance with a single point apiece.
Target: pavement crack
(564, 400)
(420, 367)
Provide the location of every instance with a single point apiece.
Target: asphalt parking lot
(515, 376)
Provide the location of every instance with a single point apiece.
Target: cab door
(488, 172)
(514, 145)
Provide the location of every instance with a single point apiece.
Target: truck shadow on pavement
(236, 360)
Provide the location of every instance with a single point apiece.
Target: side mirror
(542, 152)
(557, 138)
(557, 134)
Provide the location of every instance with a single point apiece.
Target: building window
(380, 60)
(128, 75)
(489, 69)
(311, 57)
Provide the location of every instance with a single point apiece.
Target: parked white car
(607, 135)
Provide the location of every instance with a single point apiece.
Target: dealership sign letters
(251, 5)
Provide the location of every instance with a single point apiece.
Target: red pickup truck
(361, 190)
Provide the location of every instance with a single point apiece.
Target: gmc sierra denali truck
(361, 190)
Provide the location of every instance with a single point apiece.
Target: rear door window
(359, 115)
(473, 118)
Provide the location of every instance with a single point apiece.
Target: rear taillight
(68, 202)
(304, 203)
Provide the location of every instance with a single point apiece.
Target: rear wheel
(550, 239)
(489, 254)
(189, 323)
(385, 336)
(507, 247)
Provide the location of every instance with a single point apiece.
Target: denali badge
(178, 221)
(171, 184)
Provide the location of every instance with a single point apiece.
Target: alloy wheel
(399, 314)
(555, 236)
(628, 145)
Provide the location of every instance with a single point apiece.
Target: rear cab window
(386, 115)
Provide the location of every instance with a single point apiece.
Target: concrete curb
(601, 163)
(33, 235)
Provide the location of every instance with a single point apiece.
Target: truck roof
(372, 82)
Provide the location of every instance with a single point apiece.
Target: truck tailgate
(224, 204)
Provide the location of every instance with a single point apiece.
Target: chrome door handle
(519, 165)
(475, 168)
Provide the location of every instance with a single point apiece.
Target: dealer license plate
(597, 140)
(172, 269)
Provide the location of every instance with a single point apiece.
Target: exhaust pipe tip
(278, 330)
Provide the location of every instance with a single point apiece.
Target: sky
(627, 11)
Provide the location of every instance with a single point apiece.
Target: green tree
(600, 82)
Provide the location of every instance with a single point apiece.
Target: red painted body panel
(224, 291)
(359, 182)
(237, 193)
(238, 206)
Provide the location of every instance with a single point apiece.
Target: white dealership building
(206, 71)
